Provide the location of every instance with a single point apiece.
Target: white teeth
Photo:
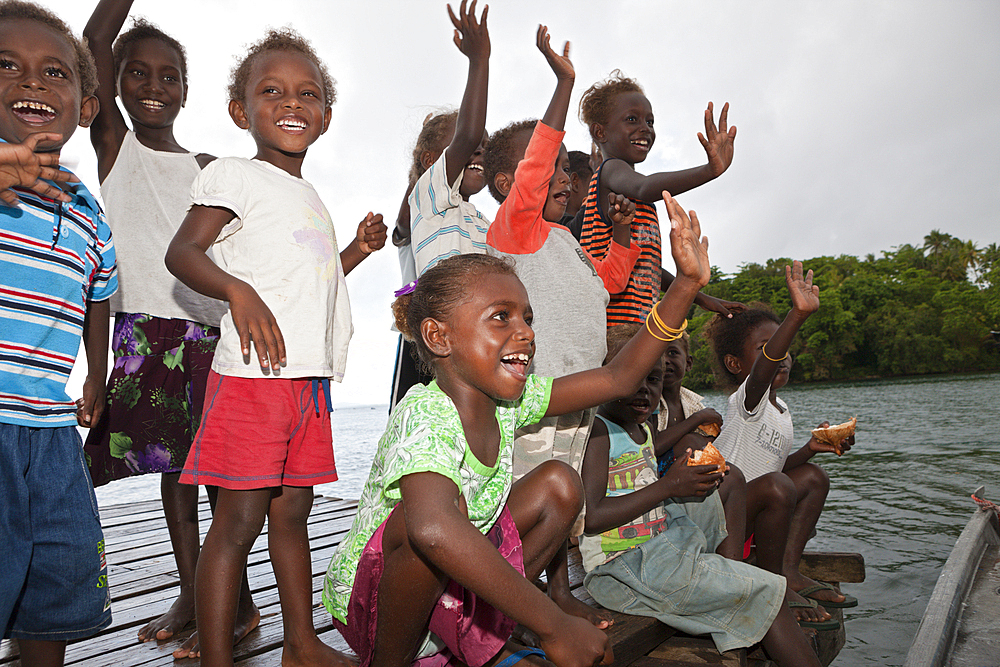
(292, 124)
(517, 357)
(477, 167)
(152, 104)
(37, 106)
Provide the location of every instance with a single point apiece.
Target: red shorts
(259, 433)
(472, 630)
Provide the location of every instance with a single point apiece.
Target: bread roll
(834, 435)
(708, 456)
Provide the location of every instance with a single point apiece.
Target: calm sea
(900, 497)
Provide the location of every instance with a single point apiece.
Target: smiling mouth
(152, 105)
(561, 197)
(478, 168)
(293, 125)
(642, 144)
(517, 364)
(33, 113)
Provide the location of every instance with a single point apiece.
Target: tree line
(911, 311)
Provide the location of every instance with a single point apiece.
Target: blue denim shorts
(53, 575)
(677, 577)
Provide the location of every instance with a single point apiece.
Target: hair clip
(406, 289)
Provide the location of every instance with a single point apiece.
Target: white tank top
(146, 196)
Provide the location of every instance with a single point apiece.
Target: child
(620, 120)
(285, 287)
(440, 488)
(679, 428)
(526, 169)
(785, 492)
(442, 221)
(580, 174)
(634, 520)
(165, 333)
(436, 219)
(57, 270)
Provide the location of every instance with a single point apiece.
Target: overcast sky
(862, 125)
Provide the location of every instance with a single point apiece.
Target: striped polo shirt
(54, 258)
(643, 289)
(442, 224)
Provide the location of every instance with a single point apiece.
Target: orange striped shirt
(643, 289)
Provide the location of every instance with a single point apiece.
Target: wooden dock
(144, 580)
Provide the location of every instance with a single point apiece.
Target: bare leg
(770, 505)
(41, 653)
(407, 592)
(557, 573)
(733, 494)
(812, 485)
(238, 520)
(247, 614)
(288, 540)
(180, 508)
(785, 643)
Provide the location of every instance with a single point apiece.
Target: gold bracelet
(650, 330)
(763, 350)
(664, 328)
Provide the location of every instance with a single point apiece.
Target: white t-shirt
(756, 442)
(146, 195)
(442, 224)
(283, 244)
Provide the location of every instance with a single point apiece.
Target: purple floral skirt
(154, 398)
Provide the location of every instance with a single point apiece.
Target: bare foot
(181, 613)
(315, 653)
(245, 624)
(803, 608)
(574, 607)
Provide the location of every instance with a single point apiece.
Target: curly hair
(142, 29)
(579, 164)
(729, 335)
(598, 100)
(431, 138)
(503, 151)
(617, 337)
(29, 11)
(284, 39)
(438, 291)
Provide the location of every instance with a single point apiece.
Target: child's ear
(239, 115)
(690, 363)
(435, 335)
(574, 182)
(89, 107)
(597, 133)
(732, 364)
(427, 159)
(503, 183)
(326, 120)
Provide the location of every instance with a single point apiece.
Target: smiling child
(57, 270)
(265, 438)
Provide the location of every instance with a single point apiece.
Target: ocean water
(900, 497)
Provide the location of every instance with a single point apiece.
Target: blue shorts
(677, 577)
(53, 575)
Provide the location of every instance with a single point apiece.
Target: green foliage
(910, 311)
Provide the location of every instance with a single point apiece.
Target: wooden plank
(682, 650)
(833, 567)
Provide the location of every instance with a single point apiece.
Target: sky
(861, 125)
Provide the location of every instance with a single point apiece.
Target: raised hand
(718, 142)
(688, 247)
(561, 65)
(255, 322)
(21, 165)
(371, 233)
(621, 209)
(804, 295)
(471, 37)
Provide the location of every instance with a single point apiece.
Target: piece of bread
(709, 430)
(834, 435)
(708, 456)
